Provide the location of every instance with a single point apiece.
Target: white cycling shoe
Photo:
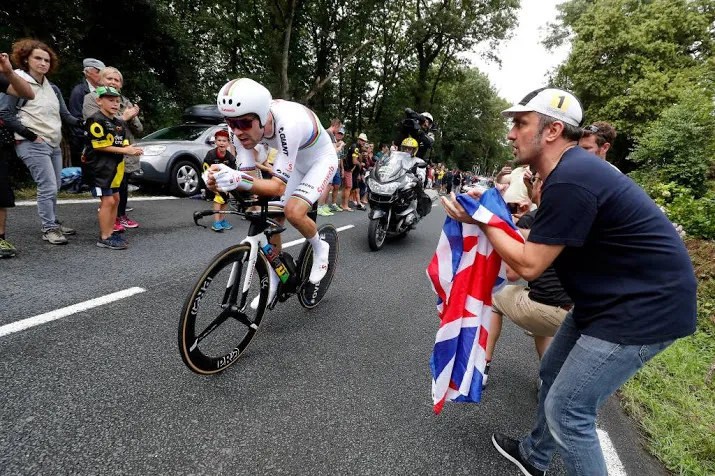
(320, 263)
(272, 288)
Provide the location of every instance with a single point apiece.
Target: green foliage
(695, 215)
(632, 59)
(681, 142)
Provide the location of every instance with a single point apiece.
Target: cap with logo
(341, 130)
(363, 136)
(92, 63)
(552, 102)
(106, 91)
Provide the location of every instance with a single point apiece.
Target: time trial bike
(225, 306)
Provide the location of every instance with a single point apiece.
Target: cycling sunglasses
(592, 129)
(241, 124)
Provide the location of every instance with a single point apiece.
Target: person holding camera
(420, 127)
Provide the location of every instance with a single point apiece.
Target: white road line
(613, 462)
(71, 201)
(66, 311)
(301, 240)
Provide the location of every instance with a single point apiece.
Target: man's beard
(535, 151)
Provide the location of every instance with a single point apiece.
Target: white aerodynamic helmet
(428, 116)
(244, 96)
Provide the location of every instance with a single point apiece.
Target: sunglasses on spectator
(593, 129)
(241, 124)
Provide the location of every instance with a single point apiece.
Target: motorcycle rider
(411, 146)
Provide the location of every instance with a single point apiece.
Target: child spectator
(219, 155)
(103, 163)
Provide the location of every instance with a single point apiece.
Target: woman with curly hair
(37, 125)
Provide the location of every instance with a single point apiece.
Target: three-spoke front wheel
(217, 320)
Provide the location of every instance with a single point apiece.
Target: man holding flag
(617, 256)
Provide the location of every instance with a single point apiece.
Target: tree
(631, 59)
(681, 142)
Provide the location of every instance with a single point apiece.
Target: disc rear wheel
(217, 321)
(311, 294)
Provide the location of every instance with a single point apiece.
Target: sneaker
(335, 208)
(323, 212)
(113, 243)
(509, 448)
(226, 225)
(120, 235)
(128, 222)
(7, 250)
(118, 227)
(217, 226)
(361, 207)
(129, 209)
(320, 263)
(54, 236)
(486, 375)
(65, 230)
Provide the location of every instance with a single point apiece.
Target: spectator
(430, 176)
(448, 181)
(219, 155)
(323, 208)
(598, 138)
(37, 125)
(539, 308)
(620, 260)
(440, 178)
(456, 181)
(12, 84)
(334, 187)
(91, 68)
(128, 113)
(351, 163)
(103, 167)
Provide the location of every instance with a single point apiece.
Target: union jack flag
(465, 271)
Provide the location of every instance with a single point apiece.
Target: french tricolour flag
(465, 271)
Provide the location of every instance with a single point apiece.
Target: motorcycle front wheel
(376, 233)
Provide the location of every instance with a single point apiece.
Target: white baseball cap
(363, 137)
(557, 103)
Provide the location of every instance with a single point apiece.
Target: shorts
(308, 182)
(103, 192)
(219, 198)
(336, 178)
(7, 197)
(355, 179)
(348, 180)
(540, 319)
(438, 183)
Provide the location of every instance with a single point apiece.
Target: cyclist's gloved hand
(227, 179)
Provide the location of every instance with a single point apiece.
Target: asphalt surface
(342, 389)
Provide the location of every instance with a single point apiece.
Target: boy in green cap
(103, 163)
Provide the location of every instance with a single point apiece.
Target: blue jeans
(579, 372)
(45, 164)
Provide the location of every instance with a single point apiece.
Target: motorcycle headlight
(383, 188)
(154, 150)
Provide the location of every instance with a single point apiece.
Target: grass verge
(673, 397)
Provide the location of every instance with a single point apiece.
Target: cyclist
(305, 163)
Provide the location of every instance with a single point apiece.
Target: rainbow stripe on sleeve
(316, 132)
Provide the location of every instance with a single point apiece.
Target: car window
(182, 132)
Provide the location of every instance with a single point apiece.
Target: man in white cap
(619, 259)
(90, 68)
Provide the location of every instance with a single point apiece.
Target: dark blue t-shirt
(624, 265)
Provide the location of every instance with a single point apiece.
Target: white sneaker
(272, 288)
(320, 263)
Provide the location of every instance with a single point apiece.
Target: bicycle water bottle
(276, 263)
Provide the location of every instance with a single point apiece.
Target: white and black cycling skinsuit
(306, 160)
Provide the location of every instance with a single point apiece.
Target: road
(343, 389)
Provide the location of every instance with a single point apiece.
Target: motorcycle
(394, 193)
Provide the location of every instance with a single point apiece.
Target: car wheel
(184, 179)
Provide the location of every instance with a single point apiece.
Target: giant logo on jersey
(284, 143)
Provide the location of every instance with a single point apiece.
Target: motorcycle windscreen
(391, 169)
